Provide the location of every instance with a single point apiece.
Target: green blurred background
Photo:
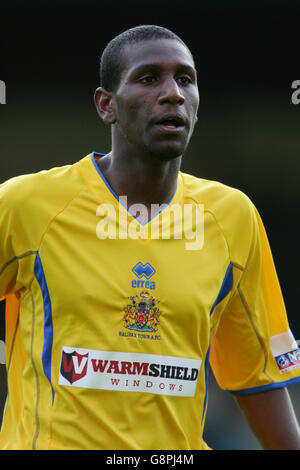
(247, 56)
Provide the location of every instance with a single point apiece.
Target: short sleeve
(8, 266)
(253, 348)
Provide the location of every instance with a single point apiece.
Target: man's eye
(146, 80)
(185, 80)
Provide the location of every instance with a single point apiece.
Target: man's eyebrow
(157, 66)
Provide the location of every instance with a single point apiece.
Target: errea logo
(145, 271)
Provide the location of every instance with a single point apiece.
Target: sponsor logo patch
(285, 351)
(129, 372)
(73, 366)
(288, 361)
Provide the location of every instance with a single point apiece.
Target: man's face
(157, 99)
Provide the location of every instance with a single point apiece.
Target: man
(111, 325)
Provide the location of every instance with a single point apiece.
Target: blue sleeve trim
(224, 291)
(225, 288)
(48, 323)
(265, 388)
(206, 366)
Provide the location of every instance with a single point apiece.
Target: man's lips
(171, 123)
(174, 120)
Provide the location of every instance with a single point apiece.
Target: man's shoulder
(55, 184)
(30, 182)
(32, 200)
(230, 209)
(28, 203)
(216, 196)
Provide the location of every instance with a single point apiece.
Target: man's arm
(271, 417)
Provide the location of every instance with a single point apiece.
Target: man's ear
(103, 102)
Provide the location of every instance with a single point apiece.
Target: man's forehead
(156, 51)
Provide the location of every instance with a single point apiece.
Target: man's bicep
(271, 417)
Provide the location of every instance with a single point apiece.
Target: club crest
(142, 314)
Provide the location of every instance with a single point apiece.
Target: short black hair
(111, 64)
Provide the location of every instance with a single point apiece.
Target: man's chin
(164, 153)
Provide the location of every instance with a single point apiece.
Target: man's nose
(171, 92)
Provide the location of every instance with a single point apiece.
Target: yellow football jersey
(111, 326)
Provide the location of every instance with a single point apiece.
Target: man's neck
(141, 181)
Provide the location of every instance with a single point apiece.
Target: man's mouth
(171, 123)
